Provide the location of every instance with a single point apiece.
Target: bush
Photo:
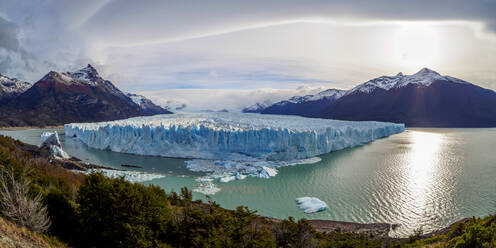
(295, 234)
(18, 206)
(117, 213)
(63, 214)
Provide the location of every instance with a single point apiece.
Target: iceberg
(229, 136)
(131, 176)
(311, 204)
(206, 186)
(227, 179)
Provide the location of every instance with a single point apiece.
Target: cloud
(11, 52)
(8, 35)
(224, 44)
(123, 22)
(218, 99)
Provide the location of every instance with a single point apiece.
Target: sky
(217, 54)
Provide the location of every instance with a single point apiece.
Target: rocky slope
(11, 87)
(305, 105)
(81, 96)
(424, 99)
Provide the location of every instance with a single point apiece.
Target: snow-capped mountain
(257, 107)
(423, 78)
(11, 87)
(146, 104)
(425, 99)
(80, 96)
(304, 105)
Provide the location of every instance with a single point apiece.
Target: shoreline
(28, 128)
(373, 230)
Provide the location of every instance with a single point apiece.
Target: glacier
(229, 136)
(230, 146)
(51, 140)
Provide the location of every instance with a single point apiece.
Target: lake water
(425, 178)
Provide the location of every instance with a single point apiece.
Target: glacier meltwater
(229, 136)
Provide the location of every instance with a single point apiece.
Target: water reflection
(420, 166)
(421, 177)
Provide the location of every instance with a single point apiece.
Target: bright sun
(417, 45)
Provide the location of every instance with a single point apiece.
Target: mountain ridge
(423, 99)
(64, 97)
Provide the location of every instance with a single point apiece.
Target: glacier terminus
(231, 145)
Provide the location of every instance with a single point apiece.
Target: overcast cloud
(197, 49)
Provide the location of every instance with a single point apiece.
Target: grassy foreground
(95, 211)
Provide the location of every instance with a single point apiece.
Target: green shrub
(117, 213)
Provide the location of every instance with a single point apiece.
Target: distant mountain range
(59, 98)
(424, 99)
(12, 87)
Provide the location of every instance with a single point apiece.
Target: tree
(117, 213)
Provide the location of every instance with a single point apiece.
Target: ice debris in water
(229, 170)
(227, 179)
(231, 146)
(206, 186)
(311, 204)
(229, 136)
(52, 142)
(132, 176)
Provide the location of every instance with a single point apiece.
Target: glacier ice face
(230, 146)
(51, 140)
(311, 204)
(229, 136)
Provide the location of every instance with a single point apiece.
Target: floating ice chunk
(229, 136)
(227, 179)
(266, 172)
(240, 176)
(204, 179)
(311, 204)
(207, 188)
(241, 169)
(132, 176)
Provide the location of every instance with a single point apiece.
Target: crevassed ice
(229, 136)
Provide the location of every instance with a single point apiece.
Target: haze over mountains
(424, 99)
(59, 98)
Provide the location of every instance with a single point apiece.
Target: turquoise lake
(425, 178)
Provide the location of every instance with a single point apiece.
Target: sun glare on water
(420, 167)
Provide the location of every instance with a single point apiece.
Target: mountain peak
(426, 71)
(88, 74)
